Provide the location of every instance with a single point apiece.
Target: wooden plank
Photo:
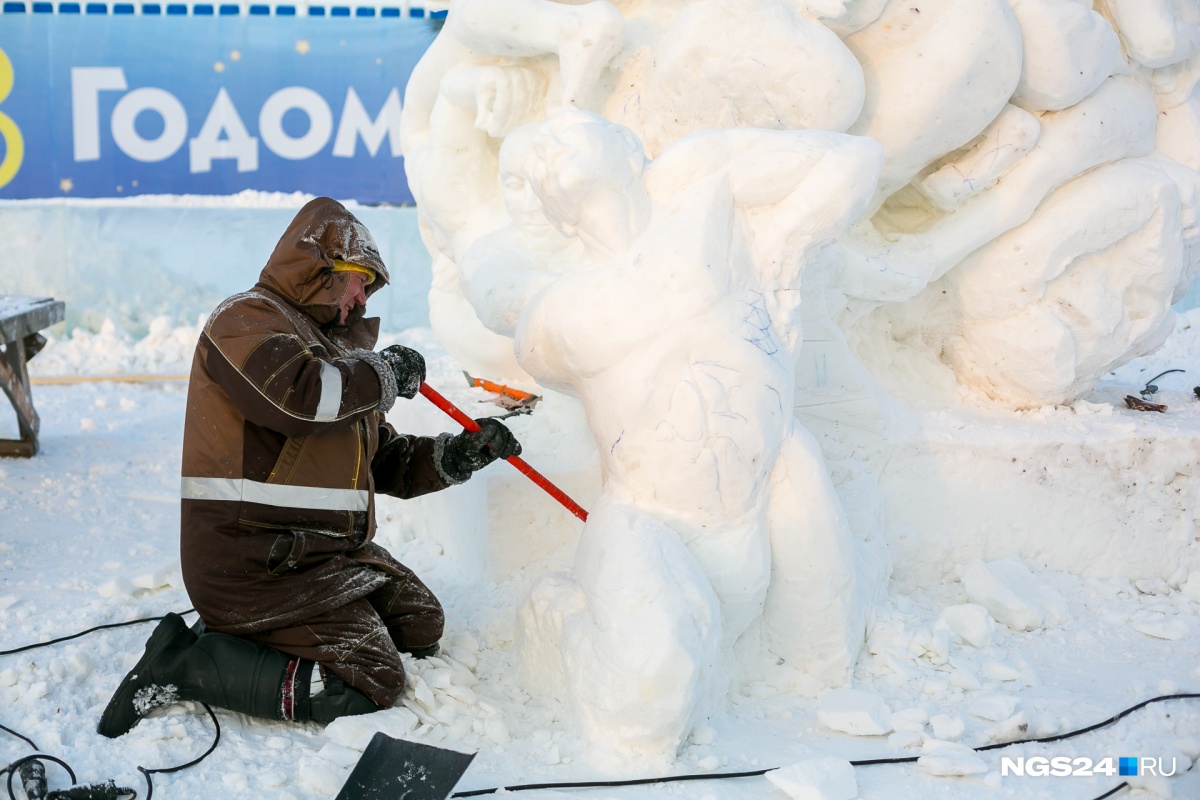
(22, 316)
(20, 320)
(14, 380)
(12, 448)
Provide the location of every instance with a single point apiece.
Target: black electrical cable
(85, 633)
(26, 739)
(166, 770)
(861, 763)
(1090, 728)
(11, 769)
(145, 772)
(1150, 388)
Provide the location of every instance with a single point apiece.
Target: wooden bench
(20, 320)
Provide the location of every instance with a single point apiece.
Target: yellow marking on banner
(14, 143)
(61, 380)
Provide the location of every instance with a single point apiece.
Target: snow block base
(1100, 491)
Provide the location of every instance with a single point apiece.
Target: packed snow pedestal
(700, 266)
(1099, 490)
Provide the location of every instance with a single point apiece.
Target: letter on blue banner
(111, 106)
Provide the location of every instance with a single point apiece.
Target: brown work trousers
(361, 641)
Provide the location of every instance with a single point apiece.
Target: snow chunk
(1173, 629)
(1011, 594)
(946, 759)
(114, 587)
(903, 740)
(1010, 730)
(995, 707)
(910, 719)
(996, 671)
(1154, 586)
(165, 576)
(497, 731)
(340, 755)
(322, 777)
(356, 732)
(965, 679)
(969, 622)
(855, 712)
(825, 778)
(947, 727)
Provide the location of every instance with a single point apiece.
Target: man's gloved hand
(470, 451)
(408, 366)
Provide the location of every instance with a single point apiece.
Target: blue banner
(112, 106)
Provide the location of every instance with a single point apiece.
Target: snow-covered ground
(88, 535)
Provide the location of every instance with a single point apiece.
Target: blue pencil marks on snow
(758, 320)
(778, 397)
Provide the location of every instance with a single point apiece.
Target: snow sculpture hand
(471, 451)
(408, 366)
(503, 98)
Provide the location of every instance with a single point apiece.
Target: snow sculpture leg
(957, 61)
(742, 92)
(821, 575)
(633, 640)
(1081, 299)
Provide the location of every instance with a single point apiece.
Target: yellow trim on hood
(346, 266)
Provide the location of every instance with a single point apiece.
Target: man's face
(354, 296)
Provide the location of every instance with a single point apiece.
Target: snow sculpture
(1102, 256)
(1032, 220)
(674, 329)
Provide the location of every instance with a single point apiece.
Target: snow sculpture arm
(584, 37)
(1153, 32)
(800, 189)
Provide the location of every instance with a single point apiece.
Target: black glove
(473, 450)
(408, 366)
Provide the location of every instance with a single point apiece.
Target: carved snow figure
(1056, 272)
(716, 504)
(463, 96)
(1034, 218)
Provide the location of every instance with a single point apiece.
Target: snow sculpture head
(587, 174)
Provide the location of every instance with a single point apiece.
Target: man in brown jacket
(284, 448)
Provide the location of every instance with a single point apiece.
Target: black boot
(338, 700)
(225, 671)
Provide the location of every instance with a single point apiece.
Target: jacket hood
(300, 268)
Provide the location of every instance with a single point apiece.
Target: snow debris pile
(166, 349)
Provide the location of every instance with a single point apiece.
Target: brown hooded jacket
(282, 441)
